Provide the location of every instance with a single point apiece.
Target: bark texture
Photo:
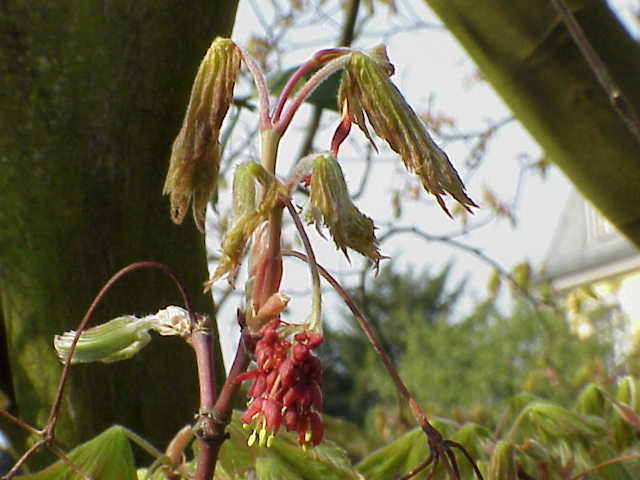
(92, 94)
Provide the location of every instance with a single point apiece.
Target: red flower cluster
(285, 387)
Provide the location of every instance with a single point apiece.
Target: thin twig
(67, 461)
(261, 86)
(467, 248)
(440, 448)
(21, 423)
(364, 178)
(47, 435)
(25, 456)
(316, 301)
(626, 458)
(55, 408)
(618, 100)
(412, 473)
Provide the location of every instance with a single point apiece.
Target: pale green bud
(331, 205)
(195, 155)
(535, 450)
(628, 392)
(591, 401)
(625, 423)
(367, 89)
(122, 337)
(247, 213)
(503, 462)
(555, 422)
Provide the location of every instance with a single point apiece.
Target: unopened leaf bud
(503, 462)
(114, 340)
(195, 155)
(122, 337)
(331, 205)
(247, 214)
(591, 401)
(535, 450)
(367, 89)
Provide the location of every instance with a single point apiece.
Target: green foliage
(472, 365)
(106, 457)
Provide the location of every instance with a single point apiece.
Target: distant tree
(473, 365)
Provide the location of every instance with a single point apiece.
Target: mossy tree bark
(527, 55)
(92, 94)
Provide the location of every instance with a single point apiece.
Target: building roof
(586, 248)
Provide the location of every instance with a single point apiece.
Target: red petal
(300, 353)
(290, 420)
(314, 395)
(247, 376)
(287, 373)
(273, 414)
(255, 407)
(317, 428)
(314, 339)
(341, 133)
(258, 387)
(293, 396)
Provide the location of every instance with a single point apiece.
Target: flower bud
(367, 89)
(535, 450)
(503, 463)
(273, 307)
(591, 401)
(195, 155)
(247, 216)
(330, 203)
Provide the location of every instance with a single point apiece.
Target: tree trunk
(527, 55)
(92, 94)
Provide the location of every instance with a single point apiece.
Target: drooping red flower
(285, 386)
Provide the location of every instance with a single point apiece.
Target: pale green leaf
(106, 457)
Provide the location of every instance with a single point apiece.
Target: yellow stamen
(270, 440)
(263, 437)
(252, 439)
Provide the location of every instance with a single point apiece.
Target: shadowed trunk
(92, 94)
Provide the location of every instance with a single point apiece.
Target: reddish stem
(440, 448)
(261, 86)
(212, 422)
(307, 89)
(290, 85)
(201, 341)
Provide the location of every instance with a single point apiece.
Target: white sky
(429, 64)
